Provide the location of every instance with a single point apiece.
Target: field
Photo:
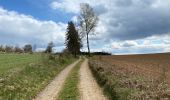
(134, 76)
(122, 77)
(22, 76)
(151, 65)
(11, 62)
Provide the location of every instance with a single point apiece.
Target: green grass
(12, 61)
(27, 75)
(70, 89)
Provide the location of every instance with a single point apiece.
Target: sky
(124, 26)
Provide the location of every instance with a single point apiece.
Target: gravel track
(54, 87)
(89, 89)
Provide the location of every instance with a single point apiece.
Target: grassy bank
(70, 89)
(103, 80)
(27, 79)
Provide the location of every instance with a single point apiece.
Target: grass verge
(102, 78)
(24, 84)
(70, 89)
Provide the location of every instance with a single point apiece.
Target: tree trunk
(75, 54)
(88, 45)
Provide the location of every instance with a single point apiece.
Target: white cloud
(72, 6)
(68, 6)
(155, 44)
(129, 44)
(18, 28)
(126, 26)
(147, 42)
(125, 19)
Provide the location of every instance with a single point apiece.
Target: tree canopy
(88, 21)
(73, 41)
(28, 48)
(49, 48)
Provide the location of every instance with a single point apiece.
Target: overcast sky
(124, 27)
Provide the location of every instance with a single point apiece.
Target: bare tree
(8, 49)
(88, 21)
(49, 48)
(2, 49)
(18, 50)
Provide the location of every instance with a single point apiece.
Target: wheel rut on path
(88, 87)
(53, 88)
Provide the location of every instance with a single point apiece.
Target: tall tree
(88, 21)
(28, 48)
(49, 48)
(73, 41)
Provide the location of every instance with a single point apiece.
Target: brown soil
(155, 66)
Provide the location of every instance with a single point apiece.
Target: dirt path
(52, 89)
(89, 89)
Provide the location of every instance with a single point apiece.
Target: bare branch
(88, 21)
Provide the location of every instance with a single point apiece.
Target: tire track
(53, 88)
(88, 87)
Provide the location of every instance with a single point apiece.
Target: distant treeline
(15, 49)
(86, 53)
(96, 53)
(29, 49)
